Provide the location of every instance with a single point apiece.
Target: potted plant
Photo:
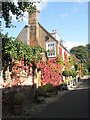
(18, 101)
(40, 94)
(49, 88)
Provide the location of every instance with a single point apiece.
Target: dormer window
(51, 49)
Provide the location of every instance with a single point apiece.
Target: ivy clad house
(35, 34)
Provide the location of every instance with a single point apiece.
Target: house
(35, 34)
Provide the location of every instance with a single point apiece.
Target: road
(72, 105)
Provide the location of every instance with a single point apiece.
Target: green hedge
(65, 73)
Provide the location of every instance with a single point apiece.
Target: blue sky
(70, 19)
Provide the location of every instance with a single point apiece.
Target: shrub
(65, 73)
(18, 99)
(60, 86)
(40, 91)
(49, 87)
(70, 73)
(85, 71)
(74, 73)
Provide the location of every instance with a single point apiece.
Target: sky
(70, 19)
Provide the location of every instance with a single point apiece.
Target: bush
(40, 91)
(85, 71)
(18, 99)
(60, 86)
(70, 73)
(49, 87)
(74, 73)
(65, 73)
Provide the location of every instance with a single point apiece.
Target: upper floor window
(51, 49)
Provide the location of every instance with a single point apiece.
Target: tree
(88, 61)
(82, 53)
(10, 6)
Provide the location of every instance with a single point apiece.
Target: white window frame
(48, 43)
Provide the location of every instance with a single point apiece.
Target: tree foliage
(18, 10)
(80, 52)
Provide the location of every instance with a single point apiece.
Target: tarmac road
(72, 105)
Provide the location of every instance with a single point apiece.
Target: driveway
(73, 105)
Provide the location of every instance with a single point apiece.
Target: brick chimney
(34, 32)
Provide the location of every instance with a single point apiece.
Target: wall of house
(56, 35)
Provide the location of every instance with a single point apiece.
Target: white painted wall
(56, 35)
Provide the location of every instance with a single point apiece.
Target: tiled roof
(23, 35)
(47, 32)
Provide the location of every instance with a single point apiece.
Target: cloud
(42, 5)
(75, 9)
(64, 15)
(70, 44)
(81, 1)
